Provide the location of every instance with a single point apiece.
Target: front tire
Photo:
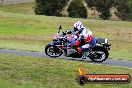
(53, 51)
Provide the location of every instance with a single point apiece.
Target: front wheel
(53, 51)
(99, 55)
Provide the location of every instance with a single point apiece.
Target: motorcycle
(57, 47)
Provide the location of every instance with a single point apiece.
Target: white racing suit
(85, 41)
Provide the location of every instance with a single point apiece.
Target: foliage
(50, 7)
(91, 3)
(124, 9)
(102, 6)
(77, 9)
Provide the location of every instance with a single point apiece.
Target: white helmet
(78, 26)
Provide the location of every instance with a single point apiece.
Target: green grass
(24, 8)
(28, 46)
(27, 72)
(121, 54)
(22, 31)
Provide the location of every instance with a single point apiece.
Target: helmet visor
(75, 29)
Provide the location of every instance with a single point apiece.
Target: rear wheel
(99, 55)
(53, 51)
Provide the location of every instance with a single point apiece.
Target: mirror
(60, 27)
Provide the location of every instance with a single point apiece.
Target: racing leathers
(85, 40)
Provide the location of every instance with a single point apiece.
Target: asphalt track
(110, 62)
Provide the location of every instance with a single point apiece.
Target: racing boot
(79, 51)
(85, 53)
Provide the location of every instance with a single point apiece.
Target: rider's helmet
(78, 26)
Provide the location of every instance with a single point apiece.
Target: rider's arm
(71, 31)
(68, 32)
(82, 35)
(89, 38)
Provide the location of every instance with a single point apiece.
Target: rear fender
(98, 48)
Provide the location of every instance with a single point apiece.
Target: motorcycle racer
(85, 40)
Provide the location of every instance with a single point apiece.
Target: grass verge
(24, 8)
(28, 72)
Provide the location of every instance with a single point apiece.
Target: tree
(102, 6)
(92, 4)
(124, 9)
(130, 9)
(77, 9)
(50, 7)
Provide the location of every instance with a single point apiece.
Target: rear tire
(99, 50)
(53, 51)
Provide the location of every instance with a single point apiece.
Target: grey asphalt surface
(110, 62)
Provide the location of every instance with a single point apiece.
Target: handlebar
(67, 32)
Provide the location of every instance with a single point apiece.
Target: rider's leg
(87, 47)
(92, 43)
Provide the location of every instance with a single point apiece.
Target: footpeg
(84, 56)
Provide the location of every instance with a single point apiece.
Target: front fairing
(58, 35)
(56, 40)
(52, 43)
